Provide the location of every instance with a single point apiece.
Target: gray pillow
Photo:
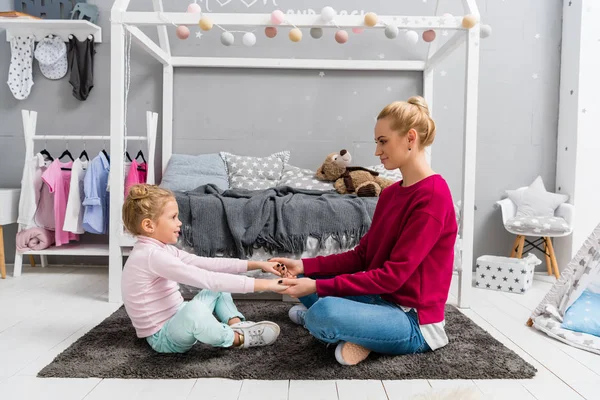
(186, 172)
(255, 173)
(299, 178)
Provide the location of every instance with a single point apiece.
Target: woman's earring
(409, 149)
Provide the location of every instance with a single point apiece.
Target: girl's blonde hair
(411, 114)
(144, 201)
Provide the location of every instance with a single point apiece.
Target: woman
(388, 294)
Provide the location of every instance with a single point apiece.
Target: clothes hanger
(46, 153)
(66, 153)
(128, 156)
(84, 153)
(105, 153)
(140, 154)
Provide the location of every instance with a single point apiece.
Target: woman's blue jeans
(369, 321)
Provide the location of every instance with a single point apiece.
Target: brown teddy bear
(351, 180)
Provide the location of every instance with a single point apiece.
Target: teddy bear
(351, 180)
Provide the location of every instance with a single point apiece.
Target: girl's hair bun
(139, 192)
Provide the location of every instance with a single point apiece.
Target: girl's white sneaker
(256, 334)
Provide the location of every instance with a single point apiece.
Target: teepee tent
(583, 272)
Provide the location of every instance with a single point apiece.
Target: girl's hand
(271, 285)
(267, 266)
(293, 267)
(299, 287)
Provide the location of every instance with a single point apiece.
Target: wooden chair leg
(547, 253)
(31, 260)
(529, 322)
(515, 246)
(520, 248)
(553, 258)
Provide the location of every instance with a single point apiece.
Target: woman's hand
(289, 265)
(299, 287)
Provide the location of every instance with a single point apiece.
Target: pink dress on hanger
(58, 181)
(137, 174)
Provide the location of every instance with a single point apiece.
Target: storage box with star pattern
(513, 275)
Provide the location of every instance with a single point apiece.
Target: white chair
(543, 228)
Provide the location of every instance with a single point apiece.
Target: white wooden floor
(46, 310)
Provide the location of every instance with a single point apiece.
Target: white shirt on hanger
(31, 185)
(74, 214)
(126, 166)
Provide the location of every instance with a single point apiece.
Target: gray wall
(6, 5)
(312, 115)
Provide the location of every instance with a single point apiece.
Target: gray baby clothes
(20, 77)
(81, 63)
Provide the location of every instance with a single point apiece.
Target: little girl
(154, 267)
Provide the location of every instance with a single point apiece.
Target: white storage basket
(513, 275)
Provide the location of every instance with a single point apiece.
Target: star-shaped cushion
(535, 201)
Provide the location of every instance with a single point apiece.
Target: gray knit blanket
(235, 221)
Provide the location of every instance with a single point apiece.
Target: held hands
(290, 267)
(299, 287)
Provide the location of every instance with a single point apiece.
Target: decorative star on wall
(534, 76)
(537, 36)
(389, 89)
(199, 35)
(340, 118)
(321, 74)
(381, 56)
(443, 73)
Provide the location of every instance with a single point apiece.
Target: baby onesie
(81, 63)
(20, 78)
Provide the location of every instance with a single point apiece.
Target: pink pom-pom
(357, 30)
(182, 32)
(277, 17)
(341, 37)
(270, 32)
(194, 8)
(429, 36)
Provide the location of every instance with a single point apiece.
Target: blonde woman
(151, 293)
(387, 295)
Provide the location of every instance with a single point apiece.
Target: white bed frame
(123, 21)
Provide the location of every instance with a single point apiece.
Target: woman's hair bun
(419, 101)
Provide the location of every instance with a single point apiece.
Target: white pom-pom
(249, 39)
(485, 31)
(391, 31)
(411, 37)
(227, 38)
(327, 14)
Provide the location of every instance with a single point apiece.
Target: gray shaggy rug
(112, 350)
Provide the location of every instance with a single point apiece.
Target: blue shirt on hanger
(95, 217)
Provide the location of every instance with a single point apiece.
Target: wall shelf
(41, 28)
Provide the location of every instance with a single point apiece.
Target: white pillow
(535, 201)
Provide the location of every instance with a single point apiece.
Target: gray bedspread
(235, 221)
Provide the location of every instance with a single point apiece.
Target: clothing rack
(81, 249)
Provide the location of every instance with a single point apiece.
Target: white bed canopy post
(469, 156)
(117, 133)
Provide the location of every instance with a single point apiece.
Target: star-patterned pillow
(255, 173)
(584, 315)
(393, 175)
(299, 178)
(535, 201)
